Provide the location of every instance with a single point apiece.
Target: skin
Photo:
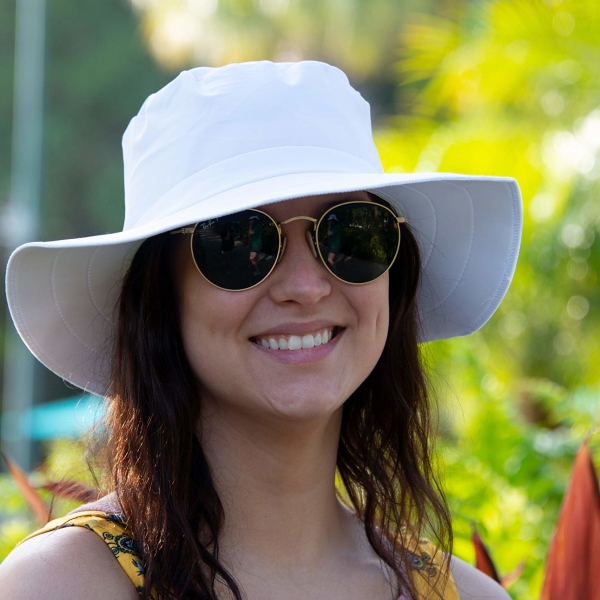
(270, 432)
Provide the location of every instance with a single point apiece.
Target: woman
(233, 398)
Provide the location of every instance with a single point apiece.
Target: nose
(299, 277)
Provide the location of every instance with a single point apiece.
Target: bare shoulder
(472, 584)
(66, 564)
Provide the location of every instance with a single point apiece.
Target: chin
(307, 405)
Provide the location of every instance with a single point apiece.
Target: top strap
(112, 530)
(428, 568)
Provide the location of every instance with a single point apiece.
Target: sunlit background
(495, 87)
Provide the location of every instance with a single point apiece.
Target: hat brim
(62, 294)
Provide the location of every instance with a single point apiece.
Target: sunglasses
(356, 241)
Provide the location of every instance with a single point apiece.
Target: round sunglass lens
(358, 241)
(237, 251)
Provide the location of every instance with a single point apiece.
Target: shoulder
(472, 584)
(108, 504)
(66, 564)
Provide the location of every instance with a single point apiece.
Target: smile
(296, 342)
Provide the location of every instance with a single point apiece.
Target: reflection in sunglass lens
(358, 241)
(237, 251)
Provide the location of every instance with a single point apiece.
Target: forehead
(311, 206)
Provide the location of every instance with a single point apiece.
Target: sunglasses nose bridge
(308, 234)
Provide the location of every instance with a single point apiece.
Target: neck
(276, 482)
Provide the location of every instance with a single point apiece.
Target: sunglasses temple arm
(183, 230)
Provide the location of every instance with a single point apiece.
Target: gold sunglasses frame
(310, 238)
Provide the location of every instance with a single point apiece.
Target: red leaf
(483, 560)
(508, 580)
(29, 493)
(572, 567)
(72, 490)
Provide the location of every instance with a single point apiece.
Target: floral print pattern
(112, 529)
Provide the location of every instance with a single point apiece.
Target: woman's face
(299, 298)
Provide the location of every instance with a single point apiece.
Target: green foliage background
(499, 87)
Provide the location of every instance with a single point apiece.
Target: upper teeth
(295, 342)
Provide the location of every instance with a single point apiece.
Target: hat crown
(208, 116)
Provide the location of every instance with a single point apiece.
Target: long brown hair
(160, 472)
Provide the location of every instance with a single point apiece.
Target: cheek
(367, 340)
(372, 307)
(210, 322)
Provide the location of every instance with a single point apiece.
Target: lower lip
(305, 355)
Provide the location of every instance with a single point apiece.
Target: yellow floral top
(111, 529)
(427, 567)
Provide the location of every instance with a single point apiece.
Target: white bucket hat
(219, 140)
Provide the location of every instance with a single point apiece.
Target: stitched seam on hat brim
(31, 343)
(89, 287)
(17, 313)
(431, 240)
(444, 300)
(468, 257)
(511, 262)
(506, 278)
(97, 386)
(424, 281)
(59, 311)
